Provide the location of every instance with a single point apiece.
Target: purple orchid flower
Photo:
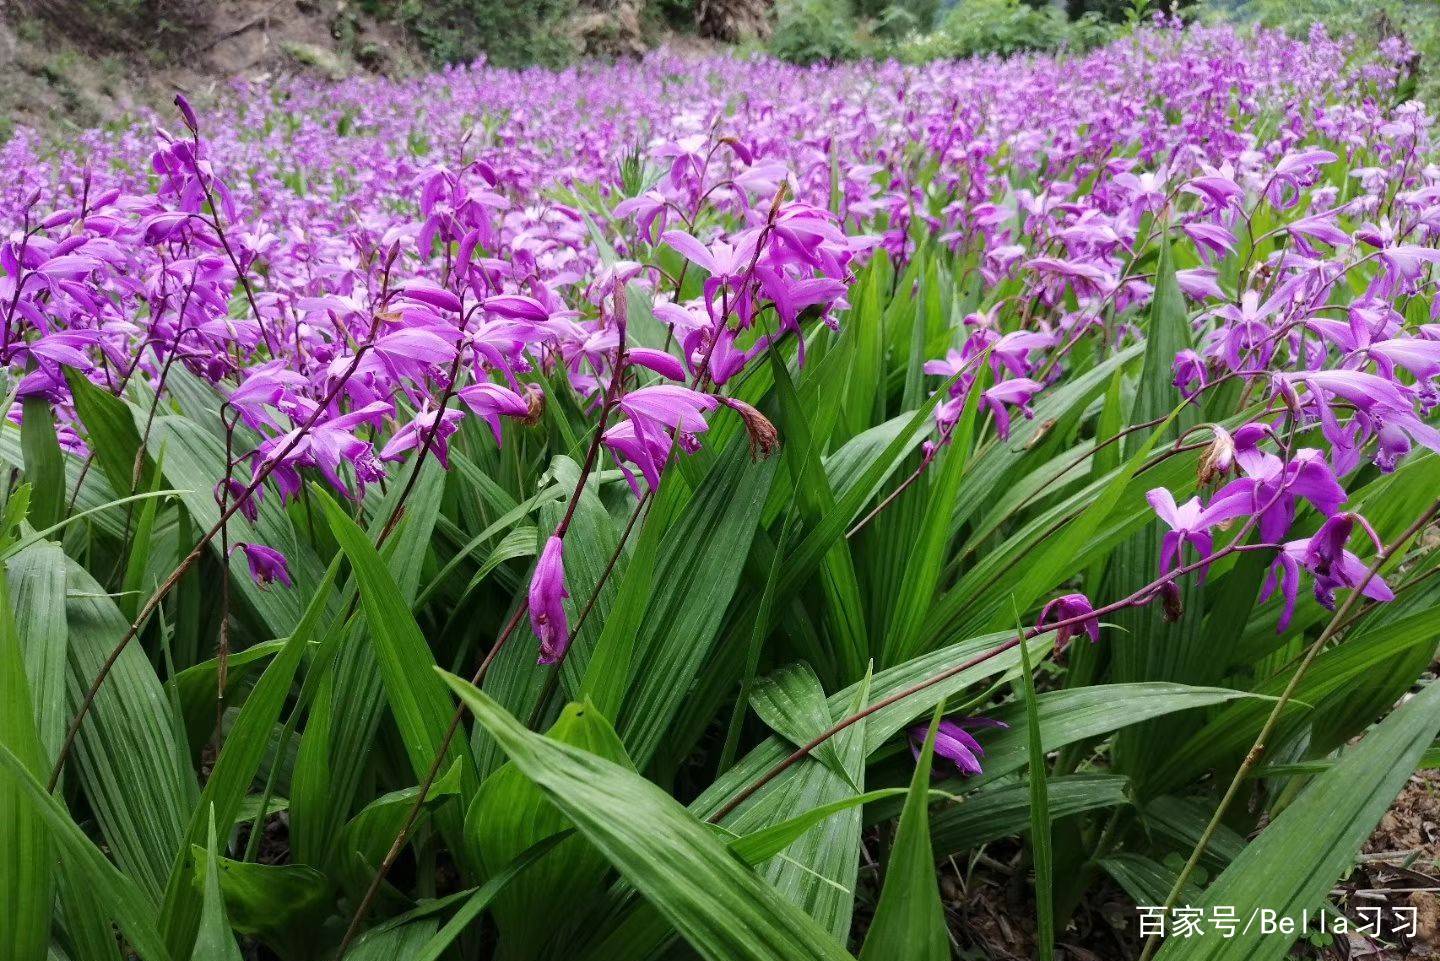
(547, 602)
(415, 432)
(1015, 392)
(1332, 567)
(1065, 608)
(267, 565)
(1190, 523)
(955, 743)
(490, 401)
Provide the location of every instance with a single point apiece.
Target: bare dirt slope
(63, 66)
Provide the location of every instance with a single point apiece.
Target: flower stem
(1257, 750)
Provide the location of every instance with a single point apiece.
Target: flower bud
(546, 600)
(187, 112)
(1170, 600)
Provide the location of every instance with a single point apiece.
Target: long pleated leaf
(1294, 862)
(718, 905)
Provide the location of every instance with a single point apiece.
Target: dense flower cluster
(360, 267)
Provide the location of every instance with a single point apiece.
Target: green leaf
(701, 560)
(759, 846)
(879, 726)
(909, 917)
(1004, 810)
(133, 768)
(607, 676)
(347, 701)
(194, 461)
(792, 702)
(44, 464)
(25, 879)
(990, 474)
(417, 697)
(1068, 716)
(1145, 880)
(117, 895)
(214, 942)
(1295, 861)
(717, 904)
(235, 768)
(819, 869)
(367, 837)
(510, 815)
(1041, 852)
(95, 493)
(926, 557)
(281, 904)
(1050, 563)
(1231, 731)
(1166, 334)
(133, 583)
(843, 611)
(110, 430)
(37, 597)
(481, 898)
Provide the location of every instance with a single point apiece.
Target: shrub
(981, 27)
(509, 34)
(814, 31)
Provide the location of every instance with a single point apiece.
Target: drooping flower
(956, 744)
(665, 407)
(234, 491)
(421, 430)
(1066, 608)
(1332, 566)
(1016, 392)
(491, 401)
(547, 602)
(1272, 487)
(648, 452)
(267, 565)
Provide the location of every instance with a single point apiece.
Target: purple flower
(724, 262)
(418, 431)
(1190, 523)
(517, 307)
(187, 112)
(1016, 392)
(1333, 567)
(266, 564)
(649, 452)
(489, 401)
(412, 351)
(1190, 372)
(547, 602)
(234, 491)
(649, 210)
(955, 743)
(666, 365)
(1066, 608)
(663, 407)
(1273, 490)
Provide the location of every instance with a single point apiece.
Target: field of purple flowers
(663, 509)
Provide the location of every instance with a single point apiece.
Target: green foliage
(508, 34)
(814, 31)
(749, 602)
(983, 27)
